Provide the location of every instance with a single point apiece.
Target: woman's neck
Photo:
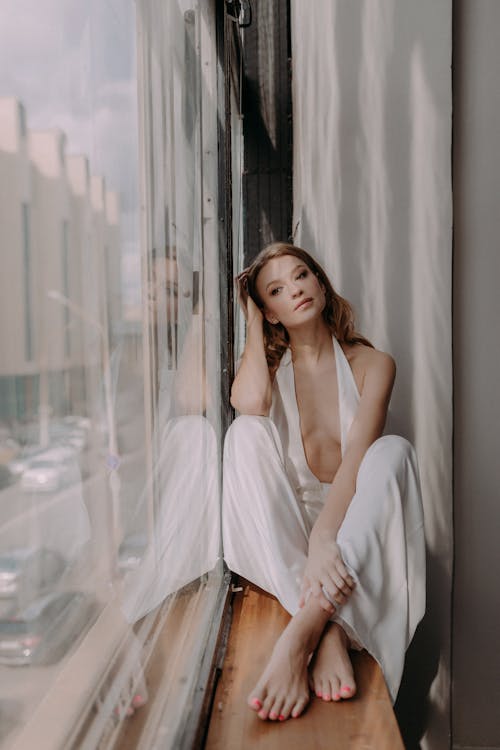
(309, 343)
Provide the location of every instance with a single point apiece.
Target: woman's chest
(318, 405)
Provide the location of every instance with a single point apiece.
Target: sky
(72, 63)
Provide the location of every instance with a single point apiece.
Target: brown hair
(337, 313)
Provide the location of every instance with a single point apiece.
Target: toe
(327, 691)
(317, 687)
(286, 710)
(266, 708)
(276, 709)
(335, 685)
(299, 706)
(255, 702)
(333, 689)
(348, 690)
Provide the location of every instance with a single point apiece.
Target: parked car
(21, 462)
(6, 477)
(26, 573)
(49, 474)
(43, 632)
(54, 452)
(57, 429)
(131, 551)
(9, 448)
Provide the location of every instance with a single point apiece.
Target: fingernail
(281, 717)
(256, 702)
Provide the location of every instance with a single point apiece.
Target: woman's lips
(304, 302)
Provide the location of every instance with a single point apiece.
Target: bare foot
(332, 677)
(283, 689)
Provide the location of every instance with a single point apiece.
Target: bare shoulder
(370, 366)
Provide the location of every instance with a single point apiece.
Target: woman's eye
(302, 274)
(275, 291)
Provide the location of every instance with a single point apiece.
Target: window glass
(110, 406)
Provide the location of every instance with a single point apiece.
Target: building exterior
(61, 233)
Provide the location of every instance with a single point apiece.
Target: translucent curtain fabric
(179, 250)
(372, 200)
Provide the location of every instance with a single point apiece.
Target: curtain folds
(372, 201)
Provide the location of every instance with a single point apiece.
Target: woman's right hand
(325, 571)
(250, 310)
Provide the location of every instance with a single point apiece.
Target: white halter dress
(271, 500)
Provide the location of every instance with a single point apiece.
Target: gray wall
(476, 610)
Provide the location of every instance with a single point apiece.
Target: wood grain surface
(365, 722)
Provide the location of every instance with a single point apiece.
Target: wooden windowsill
(365, 722)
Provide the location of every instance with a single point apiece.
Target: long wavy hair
(338, 314)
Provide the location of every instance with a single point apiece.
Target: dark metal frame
(270, 167)
(192, 734)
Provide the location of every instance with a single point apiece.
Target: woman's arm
(325, 566)
(367, 426)
(251, 389)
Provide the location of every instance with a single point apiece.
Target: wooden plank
(365, 722)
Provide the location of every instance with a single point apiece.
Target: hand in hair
(250, 310)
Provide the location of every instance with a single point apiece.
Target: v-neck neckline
(295, 402)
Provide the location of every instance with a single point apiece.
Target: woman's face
(292, 294)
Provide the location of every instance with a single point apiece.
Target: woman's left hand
(325, 568)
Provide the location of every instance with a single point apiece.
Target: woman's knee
(391, 453)
(249, 430)
(397, 447)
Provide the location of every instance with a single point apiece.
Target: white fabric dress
(271, 500)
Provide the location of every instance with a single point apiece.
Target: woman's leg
(264, 529)
(382, 543)
(187, 529)
(265, 533)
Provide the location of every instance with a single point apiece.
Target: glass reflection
(186, 471)
(109, 375)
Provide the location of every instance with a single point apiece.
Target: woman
(318, 508)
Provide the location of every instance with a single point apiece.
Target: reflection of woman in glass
(318, 508)
(186, 518)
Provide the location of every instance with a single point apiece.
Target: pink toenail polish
(273, 716)
(336, 697)
(320, 695)
(346, 689)
(281, 717)
(326, 697)
(256, 702)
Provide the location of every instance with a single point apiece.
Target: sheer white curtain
(372, 200)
